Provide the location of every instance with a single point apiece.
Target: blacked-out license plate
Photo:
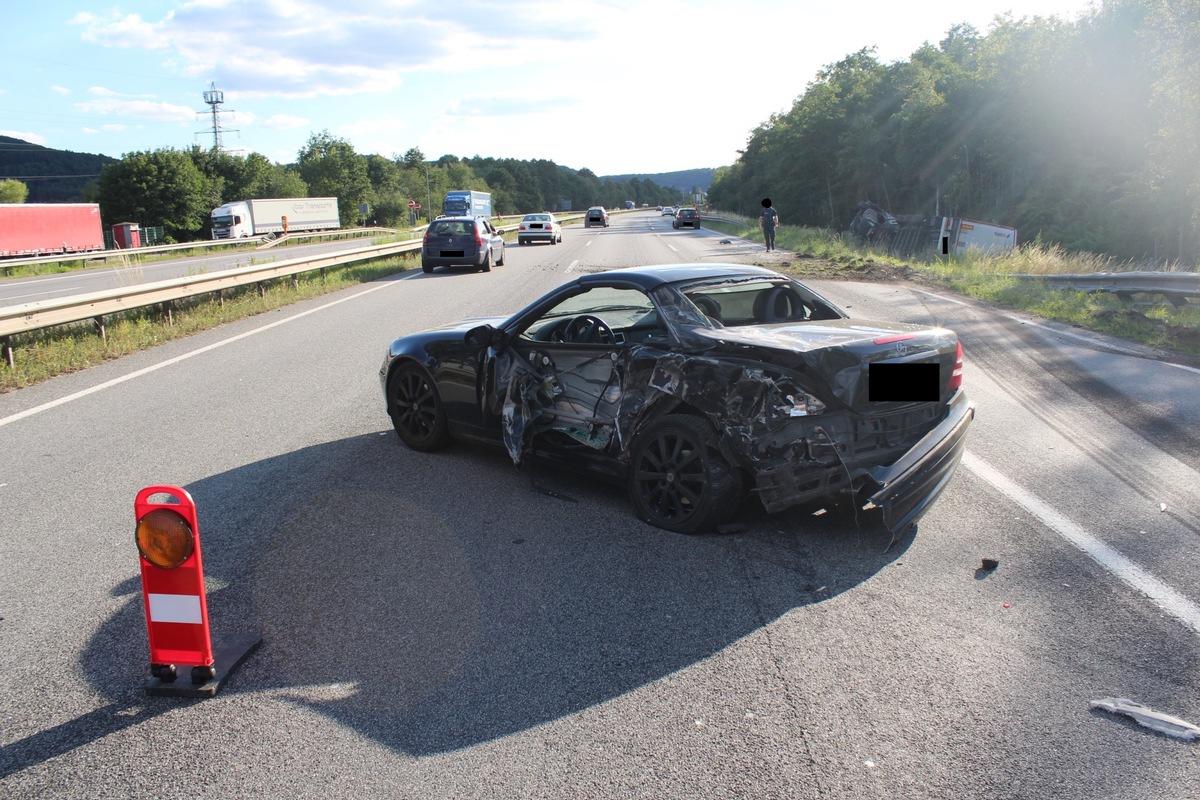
(903, 383)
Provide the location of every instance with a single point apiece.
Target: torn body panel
(792, 447)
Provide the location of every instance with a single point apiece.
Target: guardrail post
(262, 289)
(99, 321)
(167, 308)
(8, 352)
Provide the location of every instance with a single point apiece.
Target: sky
(614, 86)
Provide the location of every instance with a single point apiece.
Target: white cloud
(32, 138)
(310, 48)
(140, 110)
(128, 31)
(285, 122)
(60, 90)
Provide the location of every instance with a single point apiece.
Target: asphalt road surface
(442, 625)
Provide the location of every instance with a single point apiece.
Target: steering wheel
(583, 329)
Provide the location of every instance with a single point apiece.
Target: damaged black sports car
(697, 385)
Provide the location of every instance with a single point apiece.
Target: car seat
(779, 304)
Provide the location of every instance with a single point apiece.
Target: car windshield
(450, 228)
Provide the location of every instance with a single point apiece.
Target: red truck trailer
(35, 229)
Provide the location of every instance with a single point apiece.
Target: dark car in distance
(596, 215)
(462, 242)
(697, 385)
(686, 218)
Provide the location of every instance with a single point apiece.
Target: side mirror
(484, 336)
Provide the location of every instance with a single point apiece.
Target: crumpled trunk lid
(836, 356)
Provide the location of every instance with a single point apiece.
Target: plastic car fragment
(1149, 718)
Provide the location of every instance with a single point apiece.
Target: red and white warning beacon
(168, 539)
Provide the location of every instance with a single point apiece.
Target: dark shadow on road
(431, 609)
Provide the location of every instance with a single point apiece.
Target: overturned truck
(911, 234)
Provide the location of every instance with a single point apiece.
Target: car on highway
(596, 215)
(539, 228)
(668, 211)
(698, 386)
(686, 218)
(462, 242)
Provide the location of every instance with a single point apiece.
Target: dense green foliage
(136, 188)
(1082, 133)
(13, 191)
(163, 187)
(53, 176)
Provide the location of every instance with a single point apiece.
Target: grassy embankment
(42, 354)
(824, 254)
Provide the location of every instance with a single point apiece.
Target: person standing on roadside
(768, 220)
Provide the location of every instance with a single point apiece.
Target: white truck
(247, 218)
(960, 235)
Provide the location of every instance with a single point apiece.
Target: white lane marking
(40, 294)
(588, 243)
(572, 265)
(1181, 366)
(1162, 595)
(29, 412)
(1090, 340)
(943, 297)
(672, 248)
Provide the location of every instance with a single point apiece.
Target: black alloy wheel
(416, 409)
(678, 480)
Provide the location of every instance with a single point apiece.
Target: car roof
(647, 278)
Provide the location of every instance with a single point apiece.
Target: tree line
(1084, 134)
(178, 189)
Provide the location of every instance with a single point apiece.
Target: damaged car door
(561, 370)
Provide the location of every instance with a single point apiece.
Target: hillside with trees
(177, 189)
(53, 176)
(1084, 133)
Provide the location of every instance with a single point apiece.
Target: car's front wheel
(678, 480)
(416, 409)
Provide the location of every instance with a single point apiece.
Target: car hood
(834, 355)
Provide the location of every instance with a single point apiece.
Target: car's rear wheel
(416, 409)
(486, 266)
(678, 480)
(426, 268)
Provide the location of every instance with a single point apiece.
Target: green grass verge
(826, 254)
(42, 354)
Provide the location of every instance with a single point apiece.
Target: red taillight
(896, 337)
(522, 226)
(478, 235)
(956, 373)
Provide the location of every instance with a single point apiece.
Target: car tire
(520, 241)
(416, 409)
(486, 266)
(678, 479)
(426, 268)
(500, 260)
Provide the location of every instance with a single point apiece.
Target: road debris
(1149, 718)
(990, 564)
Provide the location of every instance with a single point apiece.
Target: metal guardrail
(1177, 287)
(78, 308)
(96, 305)
(95, 255)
